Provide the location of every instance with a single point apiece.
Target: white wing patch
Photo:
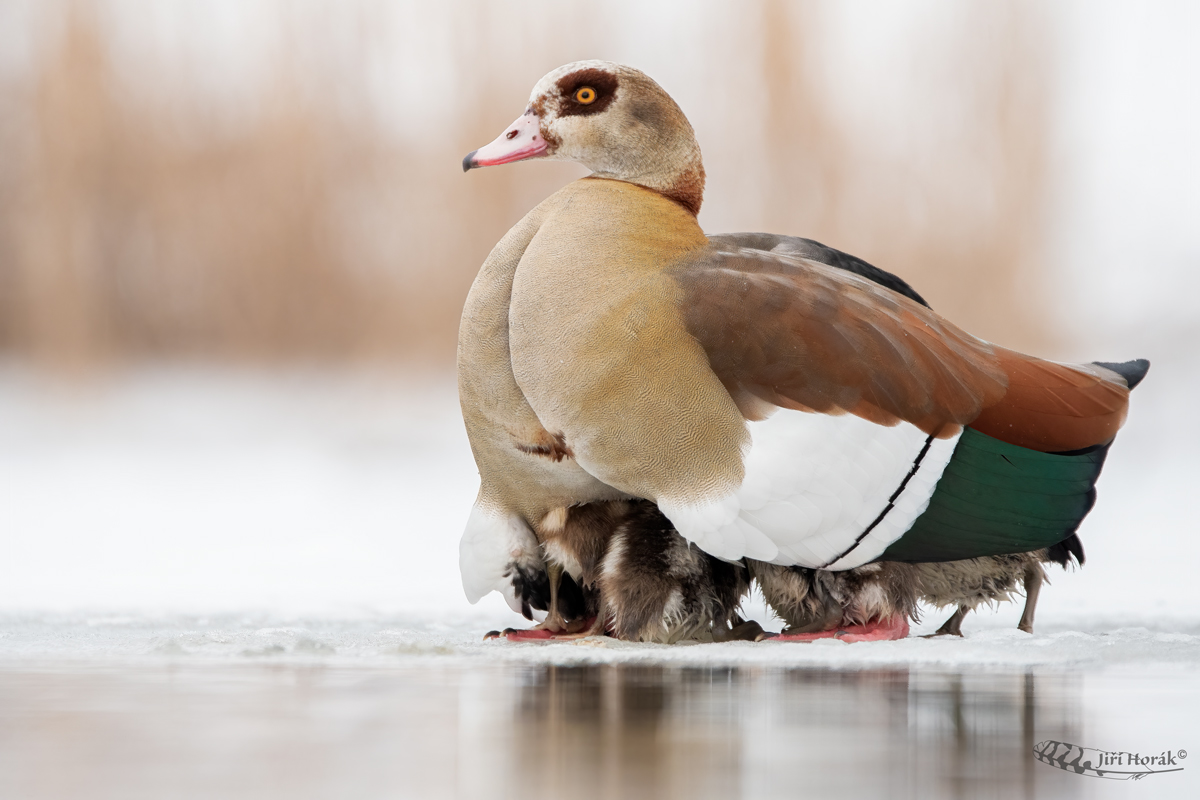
(491, 548)
(822, 491)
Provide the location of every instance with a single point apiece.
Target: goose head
(615, 121)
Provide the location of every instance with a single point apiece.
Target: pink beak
(522, 140)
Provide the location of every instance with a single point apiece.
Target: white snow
(409, 641)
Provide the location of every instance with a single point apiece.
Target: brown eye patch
(586, 91)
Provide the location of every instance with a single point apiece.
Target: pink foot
(529, 635)
(879, 631)
(542, 634)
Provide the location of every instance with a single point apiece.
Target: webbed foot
(749, 631)
(575, 629)
(887, 629)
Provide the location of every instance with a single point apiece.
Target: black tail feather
(1131, 371)
(1064, 551)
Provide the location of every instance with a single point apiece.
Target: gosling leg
(553, 621)
(952, 626)
(1033, 584)
(738, 630)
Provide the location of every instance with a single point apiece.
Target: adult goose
(619, 568)
(773, 408)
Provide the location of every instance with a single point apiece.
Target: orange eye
(585, 95)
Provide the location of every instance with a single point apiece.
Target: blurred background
(235, 240)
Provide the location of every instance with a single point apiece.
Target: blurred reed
(137, 221)
(959, 211)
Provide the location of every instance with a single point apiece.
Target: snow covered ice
(379, 641)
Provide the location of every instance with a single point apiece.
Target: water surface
(170, 730)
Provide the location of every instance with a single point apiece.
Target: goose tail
(998, 497)
(1131, 371)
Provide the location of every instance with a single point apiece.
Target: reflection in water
(619, 731)
(531, 732)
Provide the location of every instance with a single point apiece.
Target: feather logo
(1117, 765)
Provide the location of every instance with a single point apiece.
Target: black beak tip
(468, 164)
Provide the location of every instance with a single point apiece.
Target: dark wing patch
(796, 247)
(802, 335)
(995, 498)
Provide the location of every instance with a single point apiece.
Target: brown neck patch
(688, 189)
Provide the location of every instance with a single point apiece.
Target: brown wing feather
(801, 335)
(1055, 407)
(797, 334)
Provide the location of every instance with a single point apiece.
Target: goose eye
(585, 95)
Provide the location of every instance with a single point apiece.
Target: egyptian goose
(774, 408)
(654, 590)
